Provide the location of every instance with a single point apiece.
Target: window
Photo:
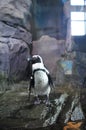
(77, 2)
(78, 17)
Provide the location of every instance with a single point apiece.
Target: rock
(75, 113)
(60, 76)
(79, 44)
(79, 67)
(16, 12)
(4, 59)
(18, 55)
(17, 112)
(15, 37)
(51, 53)
(14, 49)
(54, 111)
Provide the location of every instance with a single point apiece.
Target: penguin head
(36, 59)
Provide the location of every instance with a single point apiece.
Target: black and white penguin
(41, 80)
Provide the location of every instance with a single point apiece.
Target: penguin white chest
(41, 83)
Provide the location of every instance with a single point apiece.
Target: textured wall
(15, 37)
(48, 18)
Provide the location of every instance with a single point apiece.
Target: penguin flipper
(50, 80)
(31, 83)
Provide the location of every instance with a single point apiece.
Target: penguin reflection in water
(40, 80)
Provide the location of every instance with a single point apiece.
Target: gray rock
(15, 107)
(75, 112)
(14, 46)
(16, 12)
(4, 58)
(54, 111)
(79, 67)
(51, 53)
(18, 55)
(7, 31)
(60, 76)
(13, 58)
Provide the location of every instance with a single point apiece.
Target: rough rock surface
(51, 53)
(16, 111)
(15, 37)
(60, 76)
(16, 12)
(80, 67)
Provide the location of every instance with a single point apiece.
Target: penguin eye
(36, 60)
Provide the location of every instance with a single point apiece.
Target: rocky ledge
(17, 112)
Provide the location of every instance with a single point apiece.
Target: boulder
(14, 49)
(16, 12)
(50, 49)
(15, 37)
(18, 55)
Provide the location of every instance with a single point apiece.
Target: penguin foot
(37, 101)
(47, 102)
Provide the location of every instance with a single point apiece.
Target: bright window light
(77, 2)
(77, 15)
(77, 28)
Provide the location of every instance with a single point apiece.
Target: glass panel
(77, 28)
(77, 2)
(85, 2)
(77, 15)
(78, 8)
(85, 16)
(85, 27)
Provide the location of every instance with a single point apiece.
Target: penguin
(41, 80)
